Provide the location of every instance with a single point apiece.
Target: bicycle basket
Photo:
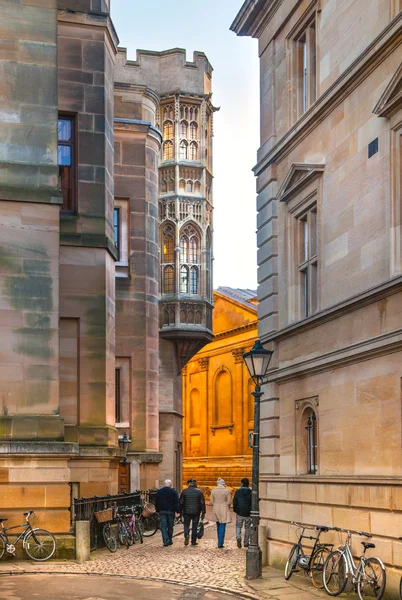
(104, 515)
(148, 510)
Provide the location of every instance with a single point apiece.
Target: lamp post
(257, 361)
(124, 443)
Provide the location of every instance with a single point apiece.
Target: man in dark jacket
(242, 508)
(192, 504)
(167, 504)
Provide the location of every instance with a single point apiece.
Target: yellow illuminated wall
(217, 401)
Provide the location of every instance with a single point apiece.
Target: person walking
(242, 508)
(167, 505)
(221, 500)
(192, 503)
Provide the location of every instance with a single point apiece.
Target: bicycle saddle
(2, 520)
(321, 527)
(368, 545)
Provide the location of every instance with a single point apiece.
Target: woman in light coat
(221, 499)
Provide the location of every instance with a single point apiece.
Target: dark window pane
(117, 396)
(64, 130)
(65, 186)
(64, 156)
(116, 226)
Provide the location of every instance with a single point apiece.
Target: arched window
(168, 247)
(184, 249)
(168, 280)
(189, 186)
(197, 187)
(193, 280)
(184, 279)
(311, 429)
(168, 151)
(183, 150)
(171, 185)
(182, 185)
(193, 131)
(164, 186)
(193, 151)
(195, 408)
(193, 250)
(167, 130)
(223, 399)
(184, 129)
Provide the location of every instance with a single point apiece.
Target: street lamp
(257, 361)
(124, 443)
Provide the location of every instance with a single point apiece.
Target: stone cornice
(230, 332)
(135, 124)
(298, 176)
(353, 353)
(337, 479)
(375, 53)
(391, 100)
(383, 290)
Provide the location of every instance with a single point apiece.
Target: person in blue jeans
(221, 500)
(167, 505)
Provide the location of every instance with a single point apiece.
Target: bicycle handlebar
(363, 533)
(28, 514)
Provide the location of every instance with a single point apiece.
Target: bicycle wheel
(335, 575)
(139, 533)
(317, 567)
(40, 545)
(150, 526)
(371, 583)
(108, 536)
(123, 537)
(2, 546)
(292, 561)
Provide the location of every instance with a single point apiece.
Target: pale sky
(204, 26)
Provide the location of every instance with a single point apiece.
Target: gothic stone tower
(176, 99)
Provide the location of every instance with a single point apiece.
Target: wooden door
(124, 478)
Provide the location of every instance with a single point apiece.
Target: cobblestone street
(204, 566)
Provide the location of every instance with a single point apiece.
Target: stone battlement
(166, 72)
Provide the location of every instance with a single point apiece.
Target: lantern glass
(257, 360)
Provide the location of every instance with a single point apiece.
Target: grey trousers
(239, 524)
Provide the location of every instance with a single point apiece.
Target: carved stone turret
(185, 217)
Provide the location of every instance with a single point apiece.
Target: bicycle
(125, 537)
(105, 517)
(39, 544)
(312, 564)
(368, 577)
(150, 524)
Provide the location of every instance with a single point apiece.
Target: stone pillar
(82, 541)
(238, 402)
(203, 364)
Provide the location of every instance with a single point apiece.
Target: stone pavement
(204, 566)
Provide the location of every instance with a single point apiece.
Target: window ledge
(229, 426)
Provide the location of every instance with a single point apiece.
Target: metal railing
(85, 509)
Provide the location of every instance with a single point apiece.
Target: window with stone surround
(168, 150)
(67, 161)
(189, 260)
(168, 259)
(183, 150)
(306, 239)
(302, 64)
(307, 436)
(121, 235)
(301, 192)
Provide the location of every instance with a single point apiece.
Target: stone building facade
(217, 401)
(330, 266)
(90, 191)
